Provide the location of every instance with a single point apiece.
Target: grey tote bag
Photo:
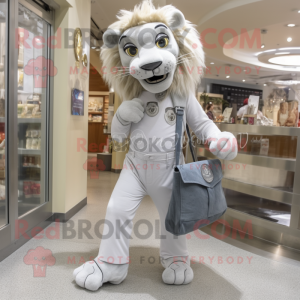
(197, 197)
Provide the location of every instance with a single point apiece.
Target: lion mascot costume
(151, 56)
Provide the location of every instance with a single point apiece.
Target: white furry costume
(148, 46)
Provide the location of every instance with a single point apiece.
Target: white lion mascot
(149, 55)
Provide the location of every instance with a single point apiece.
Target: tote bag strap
(179, 105)
(179, 111)
(190, 142)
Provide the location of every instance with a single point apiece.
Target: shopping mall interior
(60, 163)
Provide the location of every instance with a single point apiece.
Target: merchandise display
(34, 69)
(263, 180)
(153, 93)
(98, 107)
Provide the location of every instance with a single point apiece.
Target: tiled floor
(226, 272)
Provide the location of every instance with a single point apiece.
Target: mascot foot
(92, 275)
(177, 272)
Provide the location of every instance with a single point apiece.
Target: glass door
(26, 71)
(34, 68)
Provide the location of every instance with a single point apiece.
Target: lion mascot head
(152, 49)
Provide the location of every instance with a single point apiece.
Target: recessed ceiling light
(289, 39)
(227, 76)
(291, 48)
(298, 11)
(244, 80)
(262, 46)
(291, 25)
(264, 84)
(289, 60)
(212, 63)
(282, 53)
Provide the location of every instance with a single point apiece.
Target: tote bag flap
(206, 173)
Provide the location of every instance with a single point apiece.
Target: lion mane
(190, 64)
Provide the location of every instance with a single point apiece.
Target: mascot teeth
(156, 79)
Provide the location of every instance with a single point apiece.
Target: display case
(262, 183)
(98, 119)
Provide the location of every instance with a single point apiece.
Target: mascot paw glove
(224, 146)
(131, 111)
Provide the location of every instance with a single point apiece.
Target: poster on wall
(77, 102)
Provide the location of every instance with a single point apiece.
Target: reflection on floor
(222, 271)
(3, 219)
(267, 209)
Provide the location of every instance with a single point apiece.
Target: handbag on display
(197, 197)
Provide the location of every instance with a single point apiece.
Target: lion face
(149, 53)
(153, 49)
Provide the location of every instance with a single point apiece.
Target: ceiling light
(212, 63)
(298, 11)
(289, 39)
(291, 48)
(290, 60)
(244, 80)
(291, 25)
(262, 46)
(265, 84)
(287, 82)
(282, 53)
(227, 76)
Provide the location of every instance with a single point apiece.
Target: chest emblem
(170, 116)
(152, 109)
(207, 174)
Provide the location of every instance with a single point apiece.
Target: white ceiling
(234, 14)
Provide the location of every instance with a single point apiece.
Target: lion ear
(111, 37)
(177, 19)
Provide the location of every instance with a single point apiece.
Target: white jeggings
(140, 177)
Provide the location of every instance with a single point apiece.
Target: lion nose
(151, 66)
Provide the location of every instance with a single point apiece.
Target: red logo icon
(39, 258)
(40, 68)
(94, 165)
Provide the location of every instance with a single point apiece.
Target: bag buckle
(179, 110)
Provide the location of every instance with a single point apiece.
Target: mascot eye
(131, 50)
(162, 41)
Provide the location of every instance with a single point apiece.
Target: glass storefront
(26, 68)
(3, 43)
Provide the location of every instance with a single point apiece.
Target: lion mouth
(156, 79)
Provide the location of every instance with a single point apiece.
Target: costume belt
(152, 156)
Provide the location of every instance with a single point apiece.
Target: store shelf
(23, 120)
(29, 151)
(27, 179)
(95, 112)
(287, 164)
(261, 192)
(258, 130)
(29, 120)
(23, 92)
(32, 167)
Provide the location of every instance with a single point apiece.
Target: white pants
(139, 177)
